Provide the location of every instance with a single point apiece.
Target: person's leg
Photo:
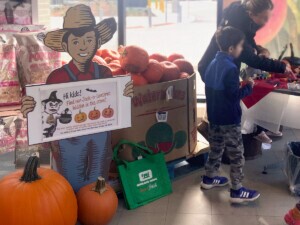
(261, 135)
(216, 141)
(234, 145)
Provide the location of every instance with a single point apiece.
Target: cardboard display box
(164, 118)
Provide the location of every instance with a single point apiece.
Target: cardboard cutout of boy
(82, 159)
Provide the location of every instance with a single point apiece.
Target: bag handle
(142, 150)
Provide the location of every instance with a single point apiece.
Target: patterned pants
(230, 137)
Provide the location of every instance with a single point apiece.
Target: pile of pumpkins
(144, 68)
(42, 196)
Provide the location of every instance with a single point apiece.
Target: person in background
(223, 94)
(261, 133)
(248, 16)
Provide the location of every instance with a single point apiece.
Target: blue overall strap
(71, 75)
(96, 70)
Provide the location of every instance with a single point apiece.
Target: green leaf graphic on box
(160, 138)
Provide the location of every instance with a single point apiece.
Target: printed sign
(75, 109)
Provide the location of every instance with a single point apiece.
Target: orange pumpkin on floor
(97, 203)
(36, 196)
(94, 114)
(108, 112)
(80, 117)
(133, 59)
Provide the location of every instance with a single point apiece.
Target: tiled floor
(188, 205)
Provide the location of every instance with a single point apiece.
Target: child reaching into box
(223, 94)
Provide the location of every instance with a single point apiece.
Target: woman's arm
(253, 60)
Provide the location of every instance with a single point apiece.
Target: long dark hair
(258, 6)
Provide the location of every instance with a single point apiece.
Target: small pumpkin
(97, 203)
(108, 112)
(94, 114)
(36, 196)
(80, 117)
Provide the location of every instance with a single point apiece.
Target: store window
(181, 26)
(159, 26)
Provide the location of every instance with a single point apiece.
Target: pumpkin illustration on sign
(108, 112)
(161, 138)
(94, 114)
(80, 117)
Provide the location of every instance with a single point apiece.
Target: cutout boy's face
(82, 49)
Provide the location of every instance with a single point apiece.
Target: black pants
(260, 129)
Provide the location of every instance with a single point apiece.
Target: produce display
(144, 68)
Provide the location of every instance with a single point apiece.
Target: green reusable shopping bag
(145, 179)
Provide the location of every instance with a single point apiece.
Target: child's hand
(250, 81)
(28, 105)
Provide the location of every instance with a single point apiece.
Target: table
(280, 107)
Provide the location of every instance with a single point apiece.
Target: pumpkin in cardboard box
(154, 72)
(37, 196)
(110, 53)
(184, 66)
(158, 57)
(138, 80)
(175, 56)
(171, 71)
(133, 59)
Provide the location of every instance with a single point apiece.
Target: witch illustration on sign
(50, 114)
(81, 159)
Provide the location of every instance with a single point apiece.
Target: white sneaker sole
(241, 200)
(263, 141)
(210, 186)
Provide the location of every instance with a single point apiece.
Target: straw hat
(80, 17)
